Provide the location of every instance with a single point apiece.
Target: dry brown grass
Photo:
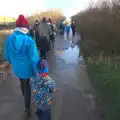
(6, 32)
(55, 15)
(3, 35)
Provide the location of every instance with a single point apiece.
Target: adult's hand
(5, 66)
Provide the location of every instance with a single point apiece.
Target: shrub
(55, 15)
(100, 25)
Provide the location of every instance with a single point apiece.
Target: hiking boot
(27, 111)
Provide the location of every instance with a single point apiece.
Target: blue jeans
(44, 115)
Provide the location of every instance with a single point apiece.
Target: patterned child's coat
(42, 89)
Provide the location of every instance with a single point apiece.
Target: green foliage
(105, 76)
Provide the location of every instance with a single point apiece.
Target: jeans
(44, 115)
(26, 91)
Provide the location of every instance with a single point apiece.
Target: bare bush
(100, 23)
(55, 15)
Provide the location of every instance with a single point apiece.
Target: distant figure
(54, 30)
(73, 26)
(67, 29)
(20, 51)
(62, 28)
(44, 31)
(36, 30)
(31, 32)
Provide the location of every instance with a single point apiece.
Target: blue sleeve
(6, 51)
(33, 55)
(51, 84)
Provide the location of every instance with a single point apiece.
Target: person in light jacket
(44, 31)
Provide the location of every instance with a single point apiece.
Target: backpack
(36, 28)
(52, 28)
(42, 89)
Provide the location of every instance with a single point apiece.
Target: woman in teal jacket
(21, 52)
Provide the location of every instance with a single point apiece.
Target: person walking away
(67, 29)
(42, 88)
(20, 51)
(44, 30)
(36, 30)
(62, 28)
(73, 26)
(31, 33)
(54, 30)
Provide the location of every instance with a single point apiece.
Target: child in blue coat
(42, 88)
(68, 29)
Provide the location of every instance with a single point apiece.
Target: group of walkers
(44, 32)
(22, 53)
(66, 28)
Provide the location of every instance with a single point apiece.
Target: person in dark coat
(43, 46)
(36, 30)
(62, 28)
(73, 26)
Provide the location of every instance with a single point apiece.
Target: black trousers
(52, 40)
(73, 31)
(36, 37)
(43, 54)
(26, 91)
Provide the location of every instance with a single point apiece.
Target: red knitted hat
(22, 22)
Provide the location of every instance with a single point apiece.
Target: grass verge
(3, 35)
(105, 78)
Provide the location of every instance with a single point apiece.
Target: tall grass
(105, 76)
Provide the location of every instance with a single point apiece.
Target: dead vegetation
(55, 15)
(100, 26)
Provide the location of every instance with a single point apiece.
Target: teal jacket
(21, 52)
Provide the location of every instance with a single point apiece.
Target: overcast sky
(16, 7)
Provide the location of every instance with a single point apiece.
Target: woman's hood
(17, 41)
(22, 30)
